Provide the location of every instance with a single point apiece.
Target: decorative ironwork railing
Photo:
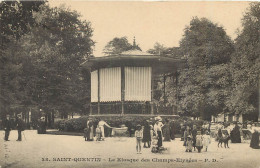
(142, 108)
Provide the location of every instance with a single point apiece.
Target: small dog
(224, 140)
(163, 150)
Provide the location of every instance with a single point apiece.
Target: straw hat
(158, 118)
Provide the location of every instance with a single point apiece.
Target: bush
(188, 121)
(59, 124)
(78, 124)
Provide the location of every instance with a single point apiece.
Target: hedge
(78, 124)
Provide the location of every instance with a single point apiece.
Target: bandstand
(123, 84)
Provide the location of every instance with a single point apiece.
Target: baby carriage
(154, 144)
(155, 148)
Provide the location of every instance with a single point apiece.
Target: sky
(151, 22)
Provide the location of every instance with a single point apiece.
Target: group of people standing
(95, 131)
(152, 134)
(150, 128)
(194, 139)
(153, 130)
(8, 126)
(234, 131)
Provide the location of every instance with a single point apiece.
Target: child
(206, 140)
(139, 137)
(98, 134)
(151, 132)
(85, 133)
(186, 134)
(199, 139)
(189, 144)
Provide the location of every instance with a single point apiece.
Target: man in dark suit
(19, 126)
(7, 127)
(194, 134)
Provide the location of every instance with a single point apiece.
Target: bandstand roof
(136, 58)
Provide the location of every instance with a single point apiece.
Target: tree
(160, 49)
(119, 45)
(246, 65)
(48, 55)
(204, 86)
(16, 19)
(56, 48)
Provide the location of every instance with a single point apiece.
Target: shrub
(188, 121)
(78, 124)
(59, 124)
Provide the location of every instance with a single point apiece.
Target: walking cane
(24, 136)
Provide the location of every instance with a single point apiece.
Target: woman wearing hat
(199, 140)
(147, 134)
(88, 131)
(255, 140)
(158, 130)
(166, 131)
(41, 127)
(206, 140)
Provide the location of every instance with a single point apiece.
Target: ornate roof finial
(134, 44)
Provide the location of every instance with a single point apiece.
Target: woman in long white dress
(158, 130)
(206, 141)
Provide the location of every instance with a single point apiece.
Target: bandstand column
(152, 92)
(122, 89)
(177, 94)
(164, 89)
(90, 109)
(98, 91)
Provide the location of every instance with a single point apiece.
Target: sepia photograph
(127, 84)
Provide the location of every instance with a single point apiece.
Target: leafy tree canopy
(45, 61)
(246, 63)
(119, 45)
(206, 43)
(205, 84)
(160, 49)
